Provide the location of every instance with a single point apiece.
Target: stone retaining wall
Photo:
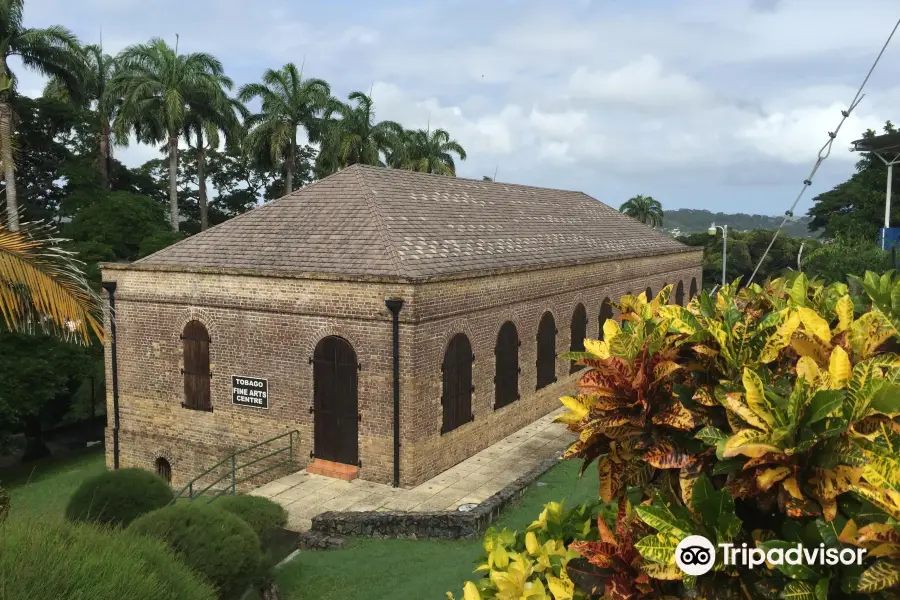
(428, 525)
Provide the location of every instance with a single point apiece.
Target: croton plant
(761, 415)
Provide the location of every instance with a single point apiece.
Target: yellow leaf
(734, 401)
(756, 397)
(790, 321)
(839, 368)
(748, 442)
(844, 310)
(791, 486)
(766, 479)
(499, 557)
(532, 544)
(560, 589)
(808, 369)
(598, 348)
(577, 409)
(814, 323)
(470, 592)
(611, 330)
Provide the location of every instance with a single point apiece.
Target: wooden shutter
(196, 366)
(164, 470)
(693, 288)
(679, 293)
(457, 379)
(506, 371)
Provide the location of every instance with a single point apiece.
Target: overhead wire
(825, 151)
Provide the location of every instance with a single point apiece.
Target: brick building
(468, 290)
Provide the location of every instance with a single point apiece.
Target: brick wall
(269, 327)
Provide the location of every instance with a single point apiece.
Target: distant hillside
(688, 220)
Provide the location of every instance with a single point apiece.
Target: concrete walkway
(472, 481)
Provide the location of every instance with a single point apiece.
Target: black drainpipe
(394, 305)
(110, 287)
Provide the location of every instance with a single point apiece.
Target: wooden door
(336, 404)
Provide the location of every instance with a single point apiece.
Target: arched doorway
(164, 470)
(336, 408)
(578, 333)
(606, 312)
(679, 293)
(693, 290)
(546, 351)
(457, 383)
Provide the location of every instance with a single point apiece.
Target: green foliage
(119, 221)
(645, 209)
(52, 559)
(40, 375)
(118, 497)
(4, 505)
(855, 208)
(214, 542)
(745, 248)
(767, 415)
(845, 257)
(261, 514)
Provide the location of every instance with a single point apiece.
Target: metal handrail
(232, 474)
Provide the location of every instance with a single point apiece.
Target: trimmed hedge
(118, 497)
(54, 559)
(215, 543)
(262, 514)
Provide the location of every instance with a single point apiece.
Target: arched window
(336, 401)
(546, 351)
(578, 333)
(679, 293)
(164, 470)
(458, 388)
(506, 377)
(196, 366)
(606, 312)
(649, 293)
(693, 288)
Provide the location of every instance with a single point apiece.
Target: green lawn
(42, 489)
(420, 570)
(366, 570)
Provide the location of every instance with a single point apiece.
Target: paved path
(474, 480)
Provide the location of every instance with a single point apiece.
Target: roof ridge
(382, 227)
(473, 180)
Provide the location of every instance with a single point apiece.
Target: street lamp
(724, 229)
(887, 149)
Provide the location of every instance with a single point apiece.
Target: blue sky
(701, 104)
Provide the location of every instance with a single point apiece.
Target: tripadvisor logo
(696, 555)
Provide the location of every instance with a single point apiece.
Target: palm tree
(429, 151)
(354, 137)
(42, 286)
(645, 209)
(97, 71)
(201, 131)
(54, 52)
(289, 102)
(159, 87)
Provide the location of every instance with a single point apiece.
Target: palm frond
(42, 286)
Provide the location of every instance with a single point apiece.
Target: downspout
(394, 305)
(110, 287)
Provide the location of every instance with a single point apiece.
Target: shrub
(261, 514)
(55, 559)
(213, 542)
(4, 505)
(765, 416)
(118, 497)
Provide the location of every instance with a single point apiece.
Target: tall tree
(855, 208)
(289, 103)
(428, 151)
(352, 136)
(53, 51)
(645, 209)
(97, 71)
(159, 87)
(201, 131)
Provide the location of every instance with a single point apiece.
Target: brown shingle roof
(375, 222)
